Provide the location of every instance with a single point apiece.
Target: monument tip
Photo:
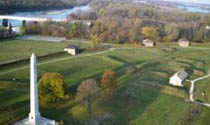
(33, 55)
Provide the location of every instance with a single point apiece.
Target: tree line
(132, 22)
(67, 30)
(126, 22)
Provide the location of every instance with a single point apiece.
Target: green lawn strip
(135, 100)
(164, 110)
(65, 107)
(51, 59)
(11, 96)
(13, 115)
(73, 70)
(66, 60)
(202, 90)
(203, 117)
(152, 68)
(20, 49)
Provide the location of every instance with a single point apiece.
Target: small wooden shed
(184, 43)
(178, 78)
(72, 49)
(148, 43)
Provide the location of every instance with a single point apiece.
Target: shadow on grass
(62, 113)
(120, 71)
(191, 67)
(129, 103)
(197, 60)
(118, 59)
(14, 81)
(11, 109)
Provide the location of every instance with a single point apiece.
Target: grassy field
(11, 50)
(143, 96)
(203, 87)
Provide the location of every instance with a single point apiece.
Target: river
(187, 6)
(52, 14)
(193, 9)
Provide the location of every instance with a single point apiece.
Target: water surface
(193, 9)
(51, 14)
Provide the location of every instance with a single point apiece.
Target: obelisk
(34, 114)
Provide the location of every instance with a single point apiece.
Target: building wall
(149, 44)
(175, 81)
(184, 44)
(70, 51)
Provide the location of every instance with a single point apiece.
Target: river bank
(48, 13)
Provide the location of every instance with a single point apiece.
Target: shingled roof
(183, 40)
(182, 74)
(71, 47)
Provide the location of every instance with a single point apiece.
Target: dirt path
(192, 88)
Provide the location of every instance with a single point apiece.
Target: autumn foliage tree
(95, 41)
(86, 92)
(86, 88)
(51, 87)
(108, 81)
(150, 33)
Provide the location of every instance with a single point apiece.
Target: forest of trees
(22, 5)
(126, 22)
(68, 30)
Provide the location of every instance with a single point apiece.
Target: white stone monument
(34, 115)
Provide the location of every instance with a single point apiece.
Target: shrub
(79, 112)
(150, 33)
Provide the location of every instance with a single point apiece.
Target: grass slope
(143, 97)
(19, 49)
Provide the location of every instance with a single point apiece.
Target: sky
(192, 1)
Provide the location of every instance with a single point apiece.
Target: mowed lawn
(203, 90)
(146, 98)
(138, 103)
(143, 95)
(14, 49)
